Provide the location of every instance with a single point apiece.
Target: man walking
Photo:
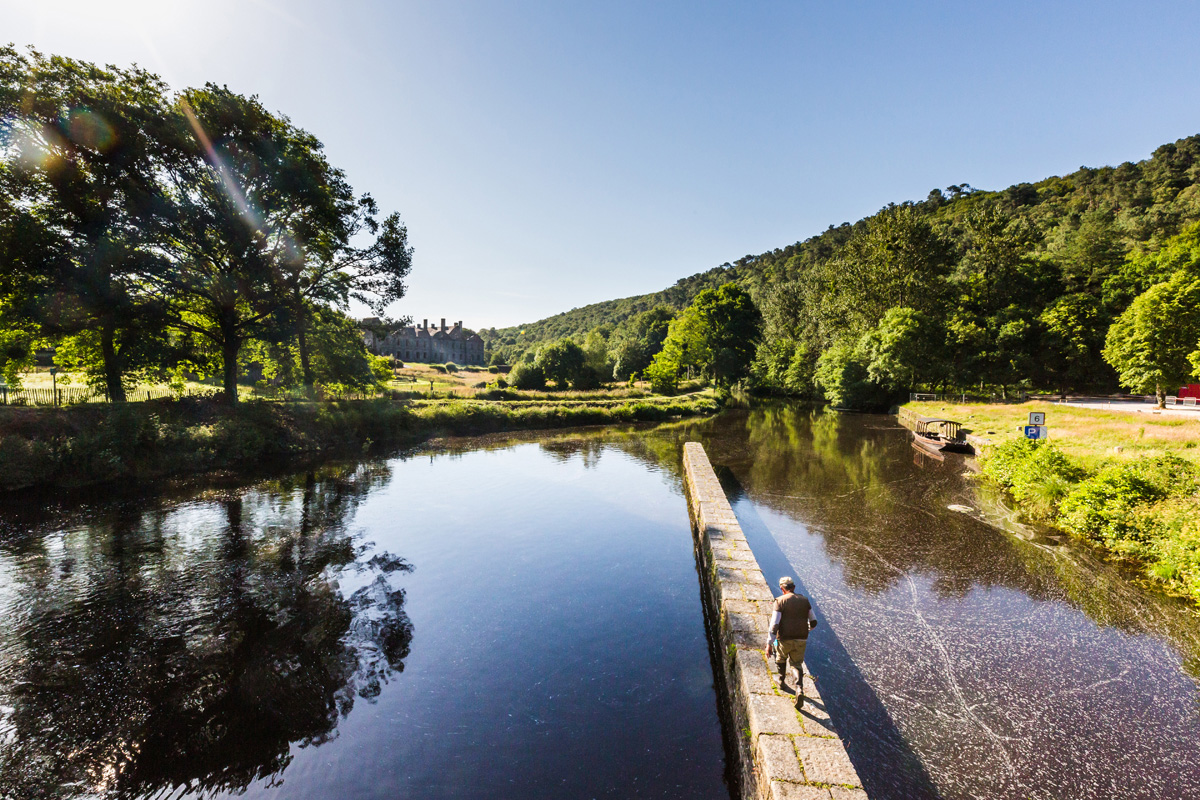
(787, 636)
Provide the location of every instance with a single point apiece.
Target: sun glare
(149, 13)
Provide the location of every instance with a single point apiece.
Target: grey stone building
(423, 344)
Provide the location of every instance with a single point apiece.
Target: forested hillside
(1005, 289)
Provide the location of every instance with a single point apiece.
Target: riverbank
(95, 444)
(1129, 484)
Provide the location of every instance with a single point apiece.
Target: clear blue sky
(546, 155)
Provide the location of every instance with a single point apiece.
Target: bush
(527, 376)
(1109, 507)
(494, 369)
(1175, 550)
(1036, 473)
(437, 368)
(451, 367)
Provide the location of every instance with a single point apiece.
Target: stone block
(752, 670)
(757, 592)
(777, 759)
(735, 575)
(743, 556)
(730, 590)
(815, 721)
(747, 607)
(774, 714)
(842, 793)
(795, 791)
(746, 622)
(825, 761)
(748, 639)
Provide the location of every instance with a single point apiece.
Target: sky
(547, 155)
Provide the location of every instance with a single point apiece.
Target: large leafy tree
(1150, 343)
(717, 334)
(258, 205)
(83, 162)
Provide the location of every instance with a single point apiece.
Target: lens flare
(218, 164)
(89, 129)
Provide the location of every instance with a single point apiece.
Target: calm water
(521, 618)
(504, 623)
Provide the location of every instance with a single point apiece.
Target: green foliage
(143, 233)
(900, 350)
(563, 362)
(1036, 473)
(527, 377)
(451, 366)
(1104, 507)
(716, 335)
(843, 378)
(1150, 343)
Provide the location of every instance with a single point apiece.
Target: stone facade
(423, 344)
(784, 753)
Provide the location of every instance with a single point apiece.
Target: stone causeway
(785, 754)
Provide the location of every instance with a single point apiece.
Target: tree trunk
(112, 364)
(305, 358)
(230, 345)
(1160, 395)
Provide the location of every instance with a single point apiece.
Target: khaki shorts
(793, 649)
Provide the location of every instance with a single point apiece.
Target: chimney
(458, 324)
(443, 323)
(425, 324)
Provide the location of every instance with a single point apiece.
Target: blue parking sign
(1036, 432)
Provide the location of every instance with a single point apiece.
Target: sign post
(1036, 429)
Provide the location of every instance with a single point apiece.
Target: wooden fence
(74, 395)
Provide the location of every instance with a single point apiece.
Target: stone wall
(784, 754)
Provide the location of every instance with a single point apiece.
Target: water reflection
(1012, 663)
(189, 647)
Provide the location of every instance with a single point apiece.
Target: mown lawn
(1090, 437)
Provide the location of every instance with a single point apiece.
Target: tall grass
(94, 444)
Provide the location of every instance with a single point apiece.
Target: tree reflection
(191, 648)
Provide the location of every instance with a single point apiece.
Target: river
(520, 617)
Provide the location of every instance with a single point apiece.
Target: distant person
(787, 635)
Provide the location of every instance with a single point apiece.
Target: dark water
(521, 618)
(964, 656)
(514, 622)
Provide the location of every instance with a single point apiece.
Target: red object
(1191, 390)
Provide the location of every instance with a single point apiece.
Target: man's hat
(787, 583)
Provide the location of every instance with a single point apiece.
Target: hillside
(1132, 208)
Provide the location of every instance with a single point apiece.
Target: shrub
(494, 369)
(1036, 473)
(437, 368)
(527, 376)
(1111, 506)
(1175, 549)
(451, 367)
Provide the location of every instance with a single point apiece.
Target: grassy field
(1091, 437)
(1128, 482)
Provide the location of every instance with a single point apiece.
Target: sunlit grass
(1090, 436)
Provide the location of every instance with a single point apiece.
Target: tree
(85, 164)
(897, 259)
(1150, 343)
(898, 352)
(527, 377)
(330, 267)
(717, 334)
(1072, 341)
(258, 204)
(563, 362)
(638, 341)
